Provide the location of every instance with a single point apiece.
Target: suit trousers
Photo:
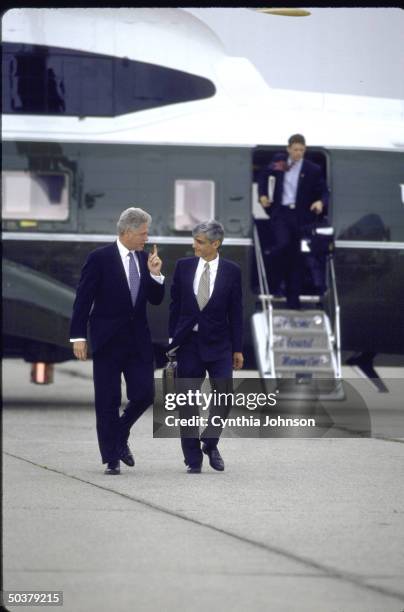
(120, 356)
(285, 260)
(191, 372)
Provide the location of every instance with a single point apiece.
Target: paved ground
(314, 525)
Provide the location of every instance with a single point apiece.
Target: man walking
(116, 283)
(206, 324)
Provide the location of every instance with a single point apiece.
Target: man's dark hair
(297, 139)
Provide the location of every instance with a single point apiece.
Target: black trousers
(285, 259)
(191, 372)
(116, 358)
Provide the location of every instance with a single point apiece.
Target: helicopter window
(54, 81)
(194, 203)
(368, 192)
(35, 195)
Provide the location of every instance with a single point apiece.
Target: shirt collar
(213, 264)
(123, 251)
(296, 165)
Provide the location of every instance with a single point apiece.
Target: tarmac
(308, 525)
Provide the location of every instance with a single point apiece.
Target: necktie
(289, 165)
(134, 278)
(202, 296)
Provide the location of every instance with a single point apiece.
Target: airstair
(299, 346)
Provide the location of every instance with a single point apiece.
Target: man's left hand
(238, 361)
(154, 262)
(317, 207)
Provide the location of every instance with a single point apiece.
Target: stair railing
(336, 312)
(266, 303)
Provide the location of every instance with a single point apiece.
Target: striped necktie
(202, 296)
(134, 278)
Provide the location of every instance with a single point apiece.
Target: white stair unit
(296, 344)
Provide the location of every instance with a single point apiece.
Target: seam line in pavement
(326, 570)
(385, 439)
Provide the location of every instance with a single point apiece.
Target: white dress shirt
(123, 252)
(290, 182)
(213, 266)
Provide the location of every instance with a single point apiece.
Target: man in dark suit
(206, 324)
(299, 197)
(116, 283)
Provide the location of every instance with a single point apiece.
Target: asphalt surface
(312, 525)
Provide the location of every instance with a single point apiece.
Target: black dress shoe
(126, 456)
(196, 469)
(112, 468)
(215, 458)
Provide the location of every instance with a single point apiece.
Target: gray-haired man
(206, 323)
(116, 283)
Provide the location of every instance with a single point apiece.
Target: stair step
(301, 312)
(310, 359)
(310, 320)
(304, 372)
(303, 340)
(307, 297)
(304, 387)
(287, 331)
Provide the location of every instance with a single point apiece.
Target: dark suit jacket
(103, 299)
(311, 187)
(220, 322)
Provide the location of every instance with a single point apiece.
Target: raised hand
(154, 262)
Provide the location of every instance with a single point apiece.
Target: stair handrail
(262, 277)
(337, 324)
(265, 299)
